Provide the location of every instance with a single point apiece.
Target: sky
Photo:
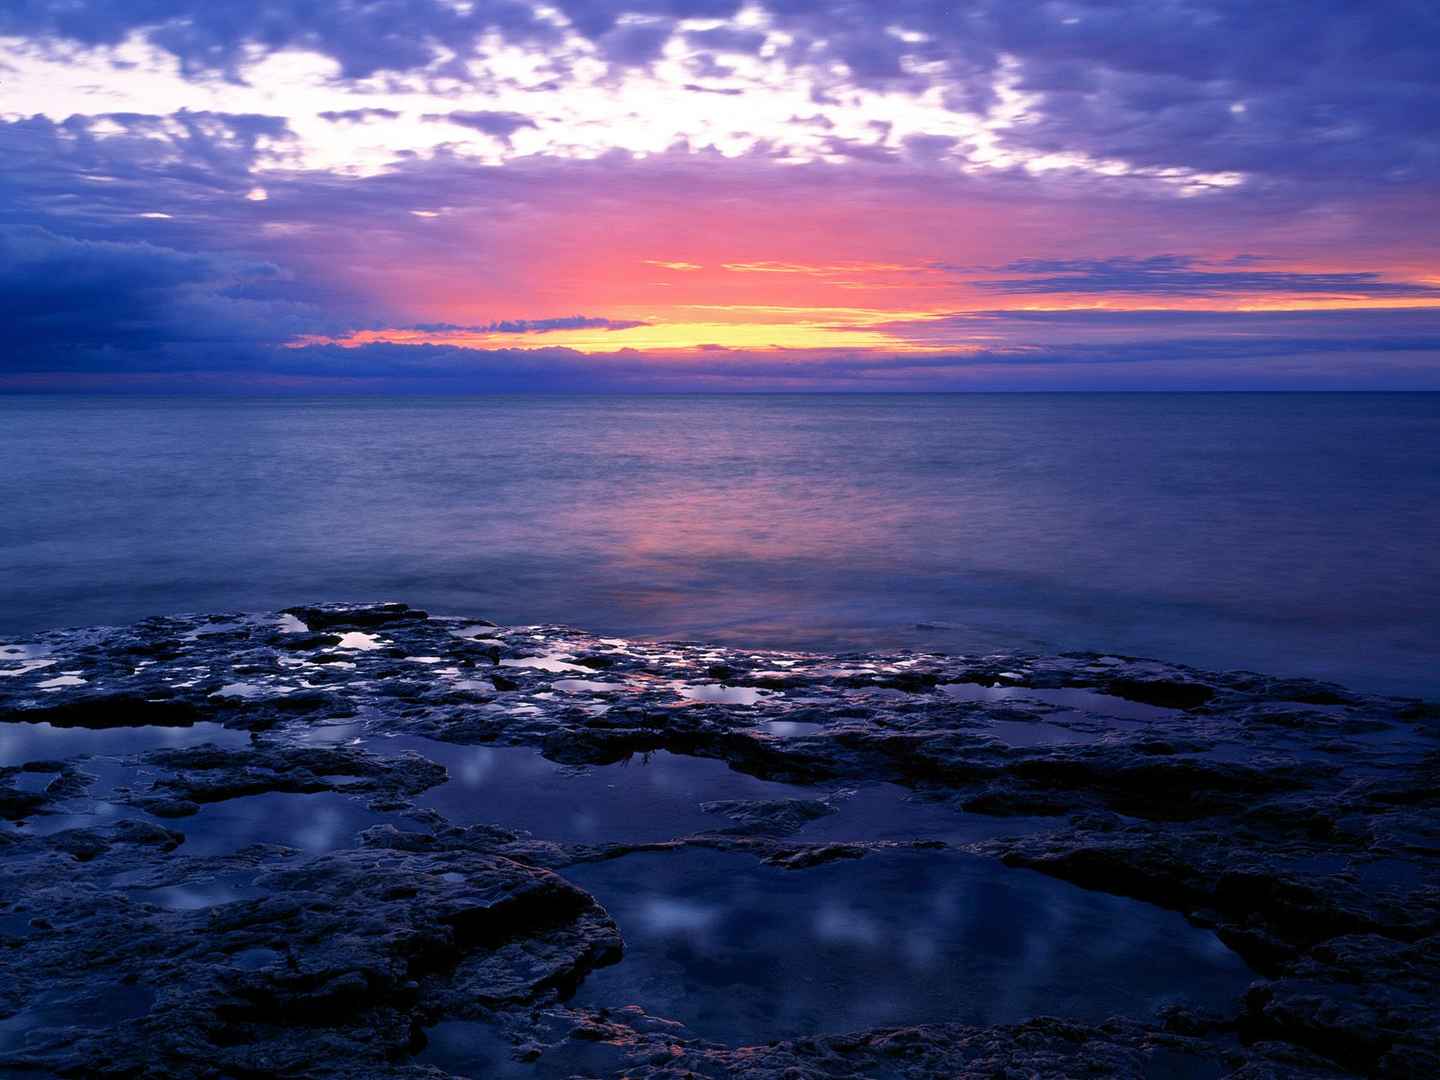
(706, 195)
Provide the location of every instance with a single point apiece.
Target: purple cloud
(358, 116)
(1329, 93)
(501, 125)
(99, 305)
(1184, 275)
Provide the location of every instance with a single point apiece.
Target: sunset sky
(443, 195)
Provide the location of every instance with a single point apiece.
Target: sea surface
(1291, 533)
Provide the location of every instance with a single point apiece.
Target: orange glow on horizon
(745, 270)
(697, 327)
(656, 337)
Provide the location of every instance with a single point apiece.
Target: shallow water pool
(744, 953)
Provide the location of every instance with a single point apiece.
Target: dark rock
(330, 616)
(780, 817)
(106, 710)
(1168, 693)
(1364, 1001)
(308, 642)
(373, 943)
(209, 774)
(19, 804)
(1299, 820)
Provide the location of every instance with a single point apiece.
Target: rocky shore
(263, 845)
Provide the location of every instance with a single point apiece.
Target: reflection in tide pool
(204, 892)
(650, 797)
(20, 743)
(716, 694)
(745, 953)
(359, 641)
(1068, 697)
(316, 823)
(790, 728)
(1034, 733)
(586, 686)
(544, 663)
(660, 796)
(44, 1017)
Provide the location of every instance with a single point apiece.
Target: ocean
(1291, 533)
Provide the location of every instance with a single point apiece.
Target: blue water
(1284, 532)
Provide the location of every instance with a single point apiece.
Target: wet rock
(166, 806)
(778, 817)
(329, 616)
(209, 774)
(1297, 819)
(104, 710)
(308, 642)
(1168, 693)
(370, 943)
(1364, 1001)
(1043, 1049)
(18, 804)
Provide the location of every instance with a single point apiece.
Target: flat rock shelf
(361, 841)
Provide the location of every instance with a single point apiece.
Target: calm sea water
(1282, 532)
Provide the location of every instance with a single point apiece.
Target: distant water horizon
(1297, 533)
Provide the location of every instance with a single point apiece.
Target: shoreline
(1291, 820)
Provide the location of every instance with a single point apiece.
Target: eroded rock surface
(171, 906)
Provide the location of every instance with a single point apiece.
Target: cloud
(1184, 275)
(1396, 361)
(118, 312)
(1331, 94)
(1325, 329)
(69, 303)
(223, 284)
(636, 44)
(358, 116)
(1212, 348)
(501, 125)
(727, 39)
(209, 36)
(529, 326)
